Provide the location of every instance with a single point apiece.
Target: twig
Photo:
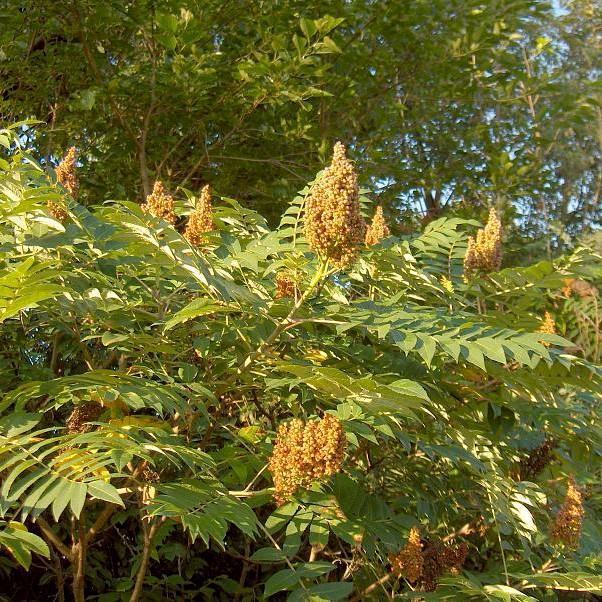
(53, 538)
(378, 583)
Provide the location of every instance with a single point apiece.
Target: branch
(146, 551)
(100, 521)
(362, 595)
(53, 538)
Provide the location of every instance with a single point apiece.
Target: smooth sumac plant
(160, 373)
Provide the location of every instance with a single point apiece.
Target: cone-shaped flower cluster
(422, 562)
(66, 175)
(160, 204)
(66, 172)
(409, 562)
(57, 210)
(306, 452)
(378, 229)
(334, 226)
(537, 460)
(286, 285)
(569, 520)
(81, 415)
(548, 326)
(201, 219)
(484, 254)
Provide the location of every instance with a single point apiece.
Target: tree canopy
(300, 300)
(448, 105)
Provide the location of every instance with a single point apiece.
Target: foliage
(144, 380)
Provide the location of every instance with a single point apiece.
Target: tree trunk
(149, 535)
(79, 564)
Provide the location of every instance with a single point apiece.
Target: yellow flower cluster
(160, 203)
(423, 563)
(57, 210)
(286, 285)
(334, 226)
(201, 219)
(484, 253)
(569, 520)
(548, 326)
(378, 229)
(66, 174)
(306, 452)
(77, 422)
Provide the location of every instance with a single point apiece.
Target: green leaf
(19, 422)
(286, 579)
(323, 591)
(78, 493)
(195, 309)
(105, 491)
(571, 581)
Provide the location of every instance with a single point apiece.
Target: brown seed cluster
(378, 229)
(581, 288)
(81, 415)
(66, 176)
(409, 562)
(423, 562)
(334, 226)
(201, 219)
(569, 520)
(286, 285)
(148, 475)
(537, 460)
(306, 452)
(484, 253)
(66, 172)
(160, 203)
(548, 326)
(57, 210)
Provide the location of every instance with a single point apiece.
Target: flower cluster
(306, 452)
(581, 288)
(484, 253)
(334, 226)
(537, 460)
(423, 562)
(569, 520)
(409, 562)
(57, 210)
(201, 219)
(66, 174)
(160, 203)
(82, 414)
(548, 326)
(286, 285)
(378, 229)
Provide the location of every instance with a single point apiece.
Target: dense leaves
(144, 381)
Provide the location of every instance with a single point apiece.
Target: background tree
(449, 105)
